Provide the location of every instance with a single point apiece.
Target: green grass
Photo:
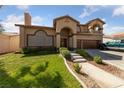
(55, 74)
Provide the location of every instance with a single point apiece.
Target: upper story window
(96, 28)
(90, 28)
(78, 29)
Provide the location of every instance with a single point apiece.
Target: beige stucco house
(66, 32)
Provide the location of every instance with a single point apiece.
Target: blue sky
(44, 15)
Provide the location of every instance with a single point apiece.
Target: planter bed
(109, 68)
(90, 83)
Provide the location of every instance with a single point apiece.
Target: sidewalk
(103, 78)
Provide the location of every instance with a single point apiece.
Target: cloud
(23, 7)
(37, 20)
(103, 19)
(118, 11)
(11, 20)
(118, 28)
(113, 29)
(88, 10)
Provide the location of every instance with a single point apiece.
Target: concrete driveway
(111, 57)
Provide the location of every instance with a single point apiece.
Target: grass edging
(79, 80)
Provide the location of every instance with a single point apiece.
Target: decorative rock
(103, 78)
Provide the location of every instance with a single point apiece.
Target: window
(78, 29)
(96, 28)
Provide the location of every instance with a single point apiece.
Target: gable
(65, 19)
(97, 20)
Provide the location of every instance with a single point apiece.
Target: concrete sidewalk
(103, 78)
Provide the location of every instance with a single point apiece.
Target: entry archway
(66, 37)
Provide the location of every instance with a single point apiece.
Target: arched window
(96, 27)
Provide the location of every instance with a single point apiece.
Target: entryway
(64, 42)
(66, 37)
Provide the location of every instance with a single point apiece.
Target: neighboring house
(107, 39)
(9, 42)
(114, 37)
(119, 36)
(66, 32)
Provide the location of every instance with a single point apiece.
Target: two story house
(66, 32)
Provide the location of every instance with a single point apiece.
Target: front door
(63, 42)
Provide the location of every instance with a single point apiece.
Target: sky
(113, 15)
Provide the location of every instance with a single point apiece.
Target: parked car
(115, 44)
(103, 46)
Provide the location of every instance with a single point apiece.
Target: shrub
(34, 50)
(45, 79)
(26, 50)
(83, 53)
(97, 59)
(51, 80)
(30, 50)
(27, 81)
(62, 48)
(65, 52)
(77, 67)
(37, 68)
(22, 71)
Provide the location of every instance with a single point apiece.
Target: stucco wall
(9, 43)
(26, 33)
(60, 24)
(84, 28)
(89, 37)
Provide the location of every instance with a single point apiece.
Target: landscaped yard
(19, 70)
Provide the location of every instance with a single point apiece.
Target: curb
(79, 80)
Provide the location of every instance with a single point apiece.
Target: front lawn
(55, 74)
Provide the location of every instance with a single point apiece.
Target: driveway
(111, 57)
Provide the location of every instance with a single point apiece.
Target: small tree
(1, 28)
(1, 6)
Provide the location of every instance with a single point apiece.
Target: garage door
(90, 43)
(87, 43)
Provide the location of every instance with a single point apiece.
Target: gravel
(109, 68)
(90, 83)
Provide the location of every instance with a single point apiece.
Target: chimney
(27, 18)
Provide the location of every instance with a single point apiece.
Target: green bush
(22, 71)
(77, 67)
(37, 68)
(97, 59)
(26, 50)
(65, 52)
(51, 80)
(27, 81)
(63, 48)
(84, 53)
